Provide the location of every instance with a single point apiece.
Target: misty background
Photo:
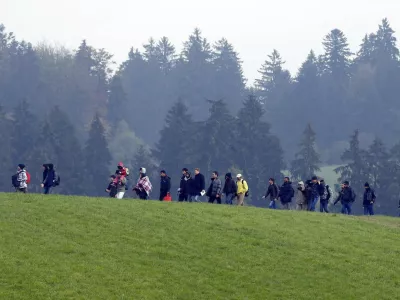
(253, 87)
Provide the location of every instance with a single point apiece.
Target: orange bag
(168, 198)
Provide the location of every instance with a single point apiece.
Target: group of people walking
(193, 188)
(22, 179)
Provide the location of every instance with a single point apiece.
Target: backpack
(28, 178)
(328, 192)
(14, 180)
(248, 190)
(57, 179)
(324, 193)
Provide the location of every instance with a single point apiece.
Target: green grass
(84, 248)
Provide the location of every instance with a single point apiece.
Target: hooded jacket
(230, 185)
(50, 176)
(286, 192)
(300, 194)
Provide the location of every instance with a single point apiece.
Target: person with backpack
(229, 189)
(165, 185)
(326, 195)
(273, 193)
(347, 198)
(50, 178)
(286, 193)
(315, 191)
(143, 187)
(301, 196)
(242, 189)
(368, 200)
(214, 192)
(21, 179)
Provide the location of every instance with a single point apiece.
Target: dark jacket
(272, 192)
(316, 189)
(369, 197)
(215, 188)
(286, 192)
(184, 186)
(48, 181)
(230, 185)
(165, 184)
(346, 195)
(199, 184)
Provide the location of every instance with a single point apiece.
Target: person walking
(326, 195)
(214, 192)
(165, 185)
(286, 193)
(273, 193)
(347, 198)
(315, 190)
(242, 189)
(143, 187)
(49, 178)
(199, 186)
(368, 200)
(20, 179)
(301, 196)
(229, 189)
(183, 191)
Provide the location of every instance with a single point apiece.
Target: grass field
(85, 248)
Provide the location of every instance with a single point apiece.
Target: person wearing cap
(242, 189)
(165, 185)
(347, 198)
(368, 200)
(273, 193)
(286, 193)
(22, 179)
(301, 197)
(229, 189)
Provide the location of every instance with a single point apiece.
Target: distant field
(86, 248)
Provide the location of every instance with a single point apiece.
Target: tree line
(164, 108)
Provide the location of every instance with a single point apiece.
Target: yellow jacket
(242, 186)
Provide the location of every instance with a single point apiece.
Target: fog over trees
(77, 109)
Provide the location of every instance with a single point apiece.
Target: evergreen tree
(229, 80)
(213, 146)
(117, 102)
(367, 50)
(385, 42)
(166, 56)
(337, 55)
(174, 149)
(97, 159)
(5, 153)
(355, 169)
(66, 153)
(307, 161)
(257, 152)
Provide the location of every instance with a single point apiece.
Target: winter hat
(120, 164)
(346, 182)
(228, 175)
(366, 185)
(163, 172)
(314, 178)
(21, 166)
(143, 170)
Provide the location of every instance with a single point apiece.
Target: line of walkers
(315, 190)
(21, 180)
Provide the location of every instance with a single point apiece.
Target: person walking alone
(368, 200)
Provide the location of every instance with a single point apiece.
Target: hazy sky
(254, 27)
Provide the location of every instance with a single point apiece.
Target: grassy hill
(84, 248)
